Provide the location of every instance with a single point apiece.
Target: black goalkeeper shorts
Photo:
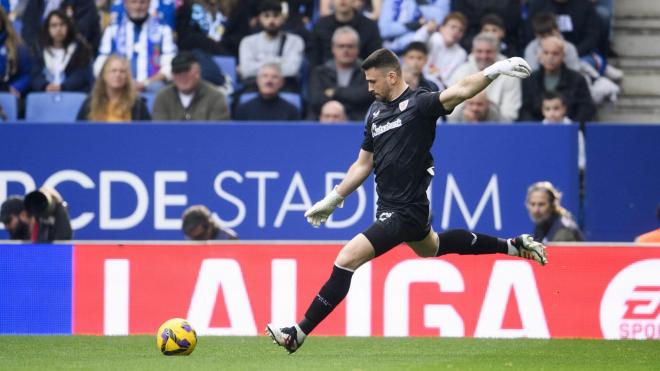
(393, 227)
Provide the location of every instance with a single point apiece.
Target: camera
(40, 204)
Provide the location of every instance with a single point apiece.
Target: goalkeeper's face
(379, 83)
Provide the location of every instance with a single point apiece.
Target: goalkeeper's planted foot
(525, 247)
(291, 338)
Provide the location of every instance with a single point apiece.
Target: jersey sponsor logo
(403, 105)
(378, 130)
(630, 308)
(384, 216)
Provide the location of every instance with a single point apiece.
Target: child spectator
(493, 24)
(554, 112)
(113, 98)
(415, 57)
(445, 52)
(63, 62)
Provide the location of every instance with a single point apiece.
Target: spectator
(15, 62)
(41, 216)
(63, 62)
(268, 105)
(145, 42)
(198, 225)
(272, 45)
(477, 109)
(83, 13)
(399, 19)
(652, 236)
(370, 8)
(113, 98)
(474, 10)
(554, 112)
(415, 57)
(544, 24)
(552, 223)
(164, 10)
(340, 78)
(215, 27)
(319, 49)
(504, 92)
(493, 24)
(189, 97)
(333, 112)
(553, 75)
(445, 53)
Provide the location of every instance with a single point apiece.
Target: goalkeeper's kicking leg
(375, 242)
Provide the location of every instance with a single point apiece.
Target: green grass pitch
(327, 353)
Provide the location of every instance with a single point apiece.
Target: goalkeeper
(399, 132)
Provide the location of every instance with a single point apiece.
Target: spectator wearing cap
(199, 225)
(189, 97)
(15, 218)
(272, 45)
(268, 105)
(146, 43)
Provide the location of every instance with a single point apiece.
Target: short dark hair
(382, 58)
(493, 19)
(548, 95)
(416, 46)
(270, 6)
(195, 216)
(544, 23)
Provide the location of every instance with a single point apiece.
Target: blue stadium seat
(60, 107)
(292, 98)
(228, 67)
(150, 98)
(8, 103)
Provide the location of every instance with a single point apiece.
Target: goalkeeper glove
(516, 67)
(321, 210)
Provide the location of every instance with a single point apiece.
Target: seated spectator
(476, 109)
(319, 48)
(333, 112)
(553, 75)
(493, 24)
(474, 10)
(399, 19)
(214, 27)
(504, 92)
(113, 97)
(164, 10)
(145, 42)
(652, 236)
(189, 97)
(415, 57)
(554, 112)
(198, 225)
(552, 223)
(41, 216)
(370, 8)
(272, 45)
(445, 52)
(268, 105)
(64, 62)
(15, 61)
(340, 78)
(544, 24)
(83, 13)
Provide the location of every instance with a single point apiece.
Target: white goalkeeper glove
(516, 67)
(321, 210)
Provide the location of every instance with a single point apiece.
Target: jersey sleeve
(428, 104)
(368, 142)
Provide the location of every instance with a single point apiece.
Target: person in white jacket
(505, 93)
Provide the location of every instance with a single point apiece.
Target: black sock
(459, 241)
(331, 294)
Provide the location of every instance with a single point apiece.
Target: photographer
(41, 216)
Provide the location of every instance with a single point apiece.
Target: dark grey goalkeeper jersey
(400, 134)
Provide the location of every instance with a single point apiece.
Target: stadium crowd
(291, 60)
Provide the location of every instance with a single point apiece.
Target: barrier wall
(593, 291)
(132, 182)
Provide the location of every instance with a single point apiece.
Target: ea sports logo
(630, 308)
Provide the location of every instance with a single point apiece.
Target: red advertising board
(236, 289)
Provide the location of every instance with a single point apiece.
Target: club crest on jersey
(403, 105)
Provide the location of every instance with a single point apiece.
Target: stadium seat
(150, 98)
(8, 103)
(292, 98)
(228, 67)
(53, 107)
